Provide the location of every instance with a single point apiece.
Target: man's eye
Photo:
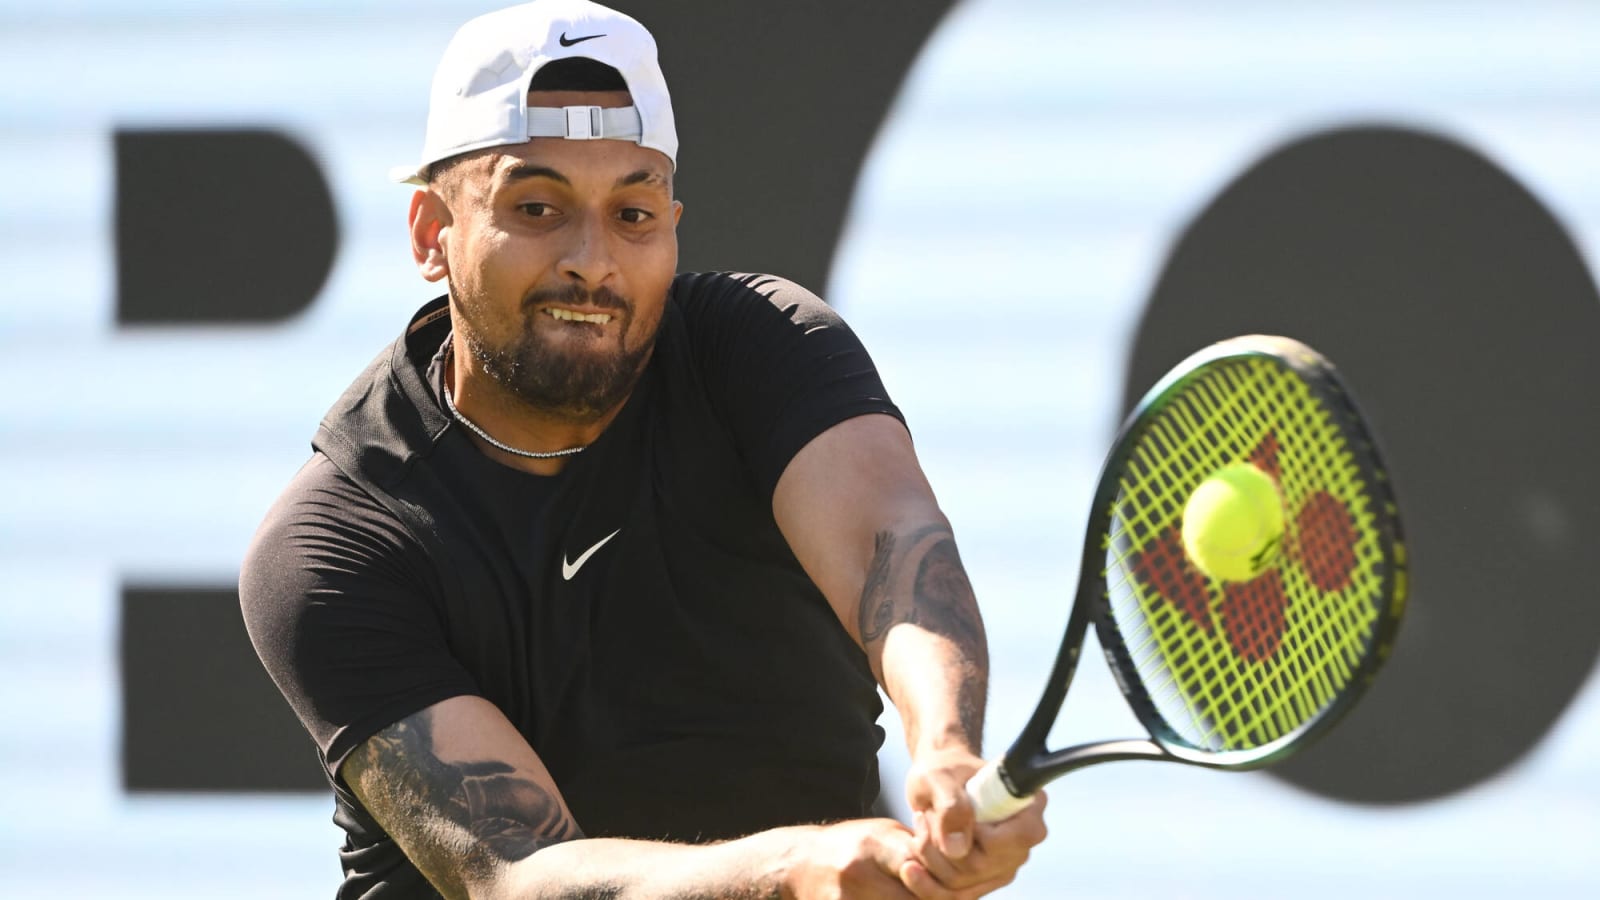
(538, 209)
(635, 216)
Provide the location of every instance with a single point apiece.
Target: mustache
(578, 295)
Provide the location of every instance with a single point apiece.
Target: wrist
(944, 744)
(785, 861)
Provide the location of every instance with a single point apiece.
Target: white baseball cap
(480, 90)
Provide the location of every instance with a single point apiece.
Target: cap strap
(585, 123)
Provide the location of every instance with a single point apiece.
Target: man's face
(560, 254)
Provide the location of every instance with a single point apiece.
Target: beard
(574, 383)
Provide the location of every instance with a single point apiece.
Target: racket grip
(991, 799)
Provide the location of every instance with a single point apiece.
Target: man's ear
(430, 230)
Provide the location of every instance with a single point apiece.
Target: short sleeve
(779, 365)
(340, 604)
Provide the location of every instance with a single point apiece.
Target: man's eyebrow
(643, 176)
(524, 171)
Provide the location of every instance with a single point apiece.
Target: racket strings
(1297, 696)
(1268, 597)
(1239, 665)
(1182, 444)
(1316, 457)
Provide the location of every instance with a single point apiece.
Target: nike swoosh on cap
(569, 569)
(568, 42)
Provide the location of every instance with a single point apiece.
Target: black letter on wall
(198, 711)
(218, 227)
(777, 105)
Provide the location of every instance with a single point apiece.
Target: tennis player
(592, 576)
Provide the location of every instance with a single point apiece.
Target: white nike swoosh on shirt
(569, 569)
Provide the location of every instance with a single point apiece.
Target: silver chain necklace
(450, 404)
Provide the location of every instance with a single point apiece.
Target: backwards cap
(480, 90)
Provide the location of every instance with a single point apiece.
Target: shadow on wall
(1465, 323)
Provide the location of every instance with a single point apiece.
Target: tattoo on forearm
(498, 816)
(876, 612)
(944, 603)
(940, 600)
(945, 606)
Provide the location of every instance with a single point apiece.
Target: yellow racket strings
(1236, 666)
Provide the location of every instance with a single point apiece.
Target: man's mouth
(567, 315)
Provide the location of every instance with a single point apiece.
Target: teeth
(567, 315)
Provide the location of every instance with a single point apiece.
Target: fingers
(1007, 843)
(951, 819)
(1025, 829)
(924, 886)
(860, 859)
(939, 796)
(998, 851)
(937, 863)
(891, 847)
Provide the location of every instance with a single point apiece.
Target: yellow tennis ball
(1233, 523)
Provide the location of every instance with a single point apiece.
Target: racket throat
(1023, 777)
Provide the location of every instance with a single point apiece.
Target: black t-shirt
(639, 617)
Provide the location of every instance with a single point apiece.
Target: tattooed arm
(477, 812)
(461, 812)
(862, 519)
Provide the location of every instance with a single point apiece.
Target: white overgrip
(991, 799)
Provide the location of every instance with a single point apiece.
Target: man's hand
(936, 789)
(951, 847)
(861, 858)
(877, 859)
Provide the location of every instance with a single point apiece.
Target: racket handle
(991, 799)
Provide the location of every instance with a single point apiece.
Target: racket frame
(1027, 765)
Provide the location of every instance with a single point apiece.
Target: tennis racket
(1226, 674)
